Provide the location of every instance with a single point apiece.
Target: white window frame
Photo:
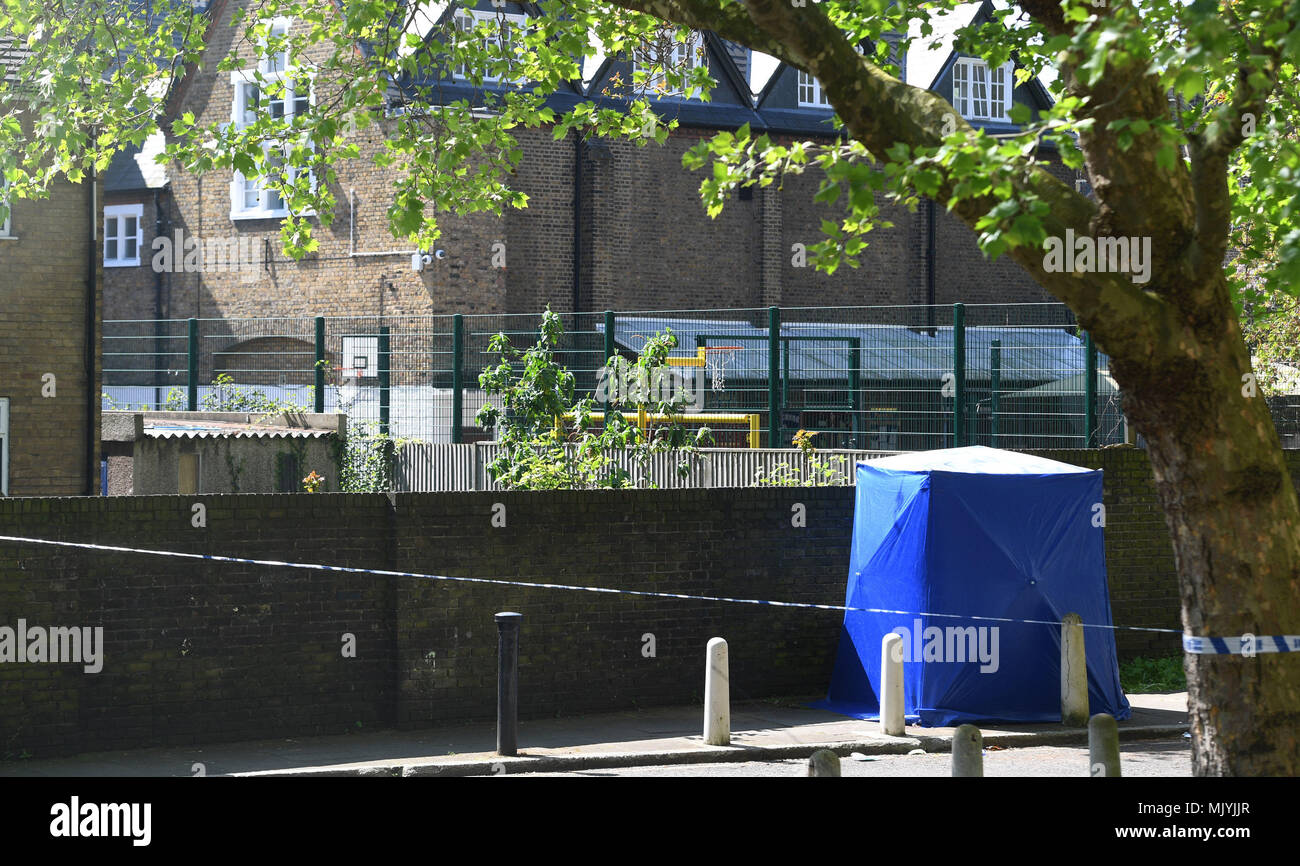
(7, 222)
(975, 85)
(268, 71)
(279, 27)
(816, 97)
(115, 217)
(692, 54)
(467, 20)
(806, 83)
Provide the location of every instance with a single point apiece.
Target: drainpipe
(929, 264)
(577, 226)
(92, 395)
(159, 230)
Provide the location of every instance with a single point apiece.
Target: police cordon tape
(1245, 645)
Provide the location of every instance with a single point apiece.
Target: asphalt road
(1145, 758)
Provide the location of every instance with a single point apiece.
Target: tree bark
(1232, 511)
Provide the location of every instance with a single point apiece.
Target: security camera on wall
(420, 261)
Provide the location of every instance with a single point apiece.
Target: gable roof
(448, 88)
(931, 55)
(939, 54)
(927, 61)
(731, 102)
(134, 168)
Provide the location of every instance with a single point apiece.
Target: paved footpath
(650, 737)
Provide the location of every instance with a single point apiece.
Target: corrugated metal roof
(220, 430)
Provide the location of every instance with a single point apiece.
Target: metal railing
(883, 378)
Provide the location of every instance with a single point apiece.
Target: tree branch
(880, 111)
(1212, 152)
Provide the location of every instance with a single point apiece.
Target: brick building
(49, 339)
(609, 225)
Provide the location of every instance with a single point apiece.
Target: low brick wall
(205, 651)
(201, 651)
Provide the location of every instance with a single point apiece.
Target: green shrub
(1142, 675)
(546, 436)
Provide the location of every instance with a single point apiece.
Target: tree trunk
(1233, 514)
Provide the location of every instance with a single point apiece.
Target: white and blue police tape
(1246, 645)
(1287, 641)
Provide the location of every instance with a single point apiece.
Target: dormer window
(664, 54)
(981, 93)
(811, 94)
(501, 30)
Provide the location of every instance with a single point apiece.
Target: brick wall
(43, 266)
(210, 651)
(646, 241)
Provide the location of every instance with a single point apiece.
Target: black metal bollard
(508, 683)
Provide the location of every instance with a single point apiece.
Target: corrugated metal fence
(424, 467)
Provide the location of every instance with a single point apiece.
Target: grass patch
(1142, 675)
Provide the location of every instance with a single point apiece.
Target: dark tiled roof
(123, 174)
(797, 121)
(12, 55)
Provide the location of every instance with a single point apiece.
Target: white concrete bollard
(1103, 746)
(717, 695)
(967, 751)
(1074, 673)
(891, 685)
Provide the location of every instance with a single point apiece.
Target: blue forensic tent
(975, 532)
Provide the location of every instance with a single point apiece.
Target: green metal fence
(883, 378)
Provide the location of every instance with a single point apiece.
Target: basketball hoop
(716, 359)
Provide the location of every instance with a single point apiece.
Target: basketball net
(716, 361)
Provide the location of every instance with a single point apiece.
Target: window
(122, 235)
(655, 60)
(810, 92)
(980, 93)
(501, 29)
(4, 196)
(278, 62)
(280, 92)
